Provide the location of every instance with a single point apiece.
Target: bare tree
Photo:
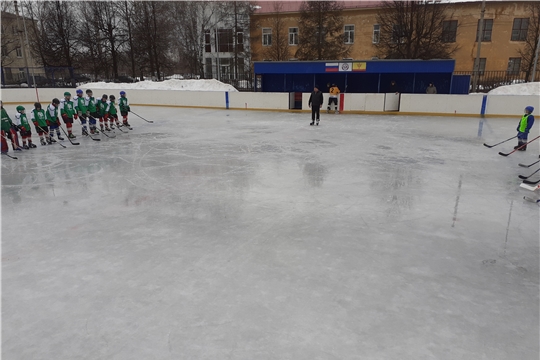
(10, 37)
(152, 41)
(279, 49)
(530, 47)
(413, 29)
(321, 31)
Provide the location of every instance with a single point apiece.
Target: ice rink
(215, 234)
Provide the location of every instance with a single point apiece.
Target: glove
(14, 127)
(64, 116)
(36, 124)
(128, 109)
(22, 128)
(75, 116)
(48, 123)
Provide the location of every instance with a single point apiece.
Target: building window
(224, 40)
(239, 41)
(208, 68)
(449, 31)
(520, 29)
(293, 36)
(349, 34)
(397, 34)
(486, 33)
(514, 64)
(267, 36)
(207, 41)
(376, 34)
(19, 52)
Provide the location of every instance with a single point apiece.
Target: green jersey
(5, 121)
(39, 117)
(81, 106)
(22, 120)
(90, 103)
(123, 104)
(66, 107)
(52, 113)
(103, 106)
(112, 108)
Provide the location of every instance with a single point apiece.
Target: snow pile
(532, 88)
(173, 84)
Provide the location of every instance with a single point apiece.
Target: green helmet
(67, 94)
(20, 108)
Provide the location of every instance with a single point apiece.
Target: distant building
(506, 22)
(16, 55)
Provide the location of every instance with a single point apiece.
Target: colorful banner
(332, 67)
(359, 66)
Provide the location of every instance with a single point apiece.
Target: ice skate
(31, 145)
(25, 147)
(59, 137)
(42, 141)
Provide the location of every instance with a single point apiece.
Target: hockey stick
(62, 145)
(86, 131)
(150, 121)
(529, 187)
(531, 182)
(490, 146)
(118, 127)
(101, 131)
(518, 148)
(72, 143)
(12, 143)
(531, 199)
(526, 177)
(9, 156)
(528, 166)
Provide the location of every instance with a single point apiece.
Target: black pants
(332, 101)
(315, 111)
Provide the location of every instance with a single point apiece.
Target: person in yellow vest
(334, 93)
(524, 126)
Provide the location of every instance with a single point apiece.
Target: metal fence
(489, 80)
(13, 77)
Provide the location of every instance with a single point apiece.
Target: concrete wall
(471, 105)
(446, 104)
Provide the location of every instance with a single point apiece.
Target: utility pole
(480, 34)
(535, 59)
(21, 42)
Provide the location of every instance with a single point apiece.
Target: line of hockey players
(88, 110)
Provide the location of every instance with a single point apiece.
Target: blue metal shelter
(355, 76)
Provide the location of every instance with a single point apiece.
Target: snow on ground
(532, 88)
(173, 84)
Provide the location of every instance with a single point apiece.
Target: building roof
(267, 7)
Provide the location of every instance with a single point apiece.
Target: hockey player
(124, 108)
(112, 113)
(53, 120)
(40, 122)
(103, 108)
(8, 131)
(315, 102)
(67, 111)
(333, 98)
(24, 127)
(91, 108)
(80, 107)
(524, 126)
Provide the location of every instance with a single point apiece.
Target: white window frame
(294, 36)
(267, 37)
(347, 33)
(376, 34)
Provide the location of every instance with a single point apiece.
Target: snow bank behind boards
(518, 89)
(173, 84)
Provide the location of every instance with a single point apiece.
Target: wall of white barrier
(473, 105)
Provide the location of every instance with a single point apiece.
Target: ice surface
(215, 234)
